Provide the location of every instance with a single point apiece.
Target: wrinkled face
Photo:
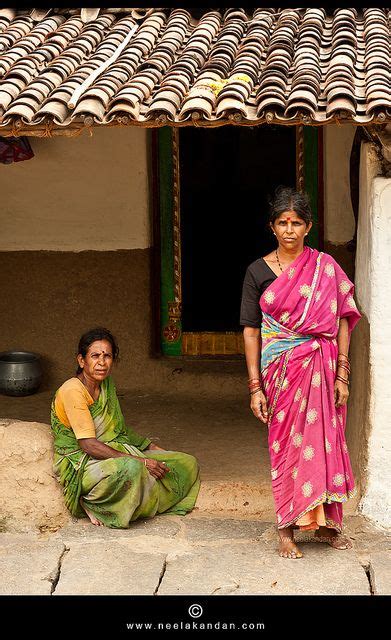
(98, 361)
(290, 229)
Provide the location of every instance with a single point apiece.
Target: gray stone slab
(28, 566)
(82, 529)
(109, 568)
(380, 572)
(365, 535)
(203, 528)
(253, 569)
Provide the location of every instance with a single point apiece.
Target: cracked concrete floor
(192, 555)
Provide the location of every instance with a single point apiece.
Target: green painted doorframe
(309, 168)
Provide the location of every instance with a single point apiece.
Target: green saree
(120, 490)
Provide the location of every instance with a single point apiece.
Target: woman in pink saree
(300, 389)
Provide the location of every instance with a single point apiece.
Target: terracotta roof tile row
(152, 67)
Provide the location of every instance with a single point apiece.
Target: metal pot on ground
(20, 373)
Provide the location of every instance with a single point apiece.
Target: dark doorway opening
(227, 175)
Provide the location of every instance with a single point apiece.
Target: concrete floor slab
(109, 568)
(81, 529)
(28, 566)
(380, 572)
(204, 555)
(201, 528)
(251, 569)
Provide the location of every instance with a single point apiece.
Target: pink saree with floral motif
(310, 465)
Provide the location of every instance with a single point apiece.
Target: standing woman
(298, 313)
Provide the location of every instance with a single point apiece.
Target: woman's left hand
(341, 393)
(154, 446)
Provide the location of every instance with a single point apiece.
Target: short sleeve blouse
(72, 408)
(258, 277)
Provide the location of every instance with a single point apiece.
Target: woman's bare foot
(288, 548)
(91, 516)
(333, 538)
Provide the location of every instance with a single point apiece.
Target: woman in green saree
(108, 471)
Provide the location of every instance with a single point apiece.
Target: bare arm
(101, 451)
(252, 350)
(343, 336)
(341, 389)
(154, 447)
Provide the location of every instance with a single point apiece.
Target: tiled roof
(165, 66)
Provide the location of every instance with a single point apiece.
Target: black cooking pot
(20, 373)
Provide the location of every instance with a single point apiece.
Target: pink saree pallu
(310, 465)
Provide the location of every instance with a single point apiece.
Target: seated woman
(108, 471)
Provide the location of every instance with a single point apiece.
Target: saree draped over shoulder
(310, 465)
(119, 490)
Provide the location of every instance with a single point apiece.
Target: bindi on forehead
(289, 218)
(105, 353)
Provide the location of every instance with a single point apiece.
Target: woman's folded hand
(156, 469)
(341, 393)
(258, 406)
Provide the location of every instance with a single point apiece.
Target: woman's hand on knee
(258, 406)
(156, 469)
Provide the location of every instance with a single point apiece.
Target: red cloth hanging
(15, 149)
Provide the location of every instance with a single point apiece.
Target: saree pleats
(310, 465)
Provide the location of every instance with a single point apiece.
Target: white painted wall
(373, 291)
(78, 193)
(338, 213)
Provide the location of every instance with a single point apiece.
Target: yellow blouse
(71, 406)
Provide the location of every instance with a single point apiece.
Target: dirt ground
(229, 443)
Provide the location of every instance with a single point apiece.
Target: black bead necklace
(282, 270)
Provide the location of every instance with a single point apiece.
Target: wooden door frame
(168, 338)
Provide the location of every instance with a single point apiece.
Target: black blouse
(258, 277)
